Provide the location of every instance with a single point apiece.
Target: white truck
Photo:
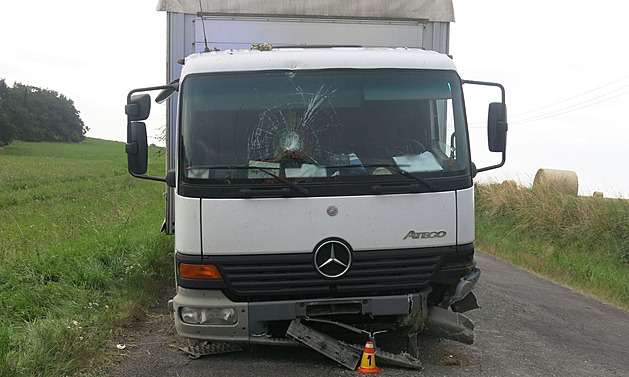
(322, 177)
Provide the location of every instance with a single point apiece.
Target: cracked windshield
(321, 126)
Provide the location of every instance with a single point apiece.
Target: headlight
(209, 316)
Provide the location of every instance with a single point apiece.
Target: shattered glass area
(291, 130)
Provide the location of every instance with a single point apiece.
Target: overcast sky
(563, 63)
(564, 66)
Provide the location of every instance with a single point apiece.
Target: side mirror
(138, 107)
(137, 149)
(168, 91)
(497, 127)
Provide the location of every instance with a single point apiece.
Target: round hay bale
(510, 183)
(564, 181)
(597, 194)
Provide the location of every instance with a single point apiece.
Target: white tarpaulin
(431, 10)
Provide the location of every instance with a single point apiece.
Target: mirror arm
(149, 177)
(485, 83)
(504, 158)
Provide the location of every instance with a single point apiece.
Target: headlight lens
(209, 316)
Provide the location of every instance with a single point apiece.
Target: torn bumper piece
(345, 354)
(465, 286)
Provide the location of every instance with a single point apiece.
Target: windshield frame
(357, 185)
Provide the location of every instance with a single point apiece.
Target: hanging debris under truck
(320, 180)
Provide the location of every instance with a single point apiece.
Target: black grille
(293, 276)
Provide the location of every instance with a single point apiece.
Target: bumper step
(197, 349)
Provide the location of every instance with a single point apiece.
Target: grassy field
(81, 253)
(581, 242)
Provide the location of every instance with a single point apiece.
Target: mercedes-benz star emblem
(332, 259)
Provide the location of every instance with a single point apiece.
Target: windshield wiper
(397, 168)
(294, 185)
(419, 179)
(285, 181)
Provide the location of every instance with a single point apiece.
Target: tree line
(30, 113)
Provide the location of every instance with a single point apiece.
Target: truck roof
(315, 58)
(429, 10)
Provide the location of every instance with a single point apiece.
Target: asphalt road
(527, 326)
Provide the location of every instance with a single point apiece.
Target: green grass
(81, 253)
(581, 242)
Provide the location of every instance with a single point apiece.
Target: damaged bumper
(210, 315)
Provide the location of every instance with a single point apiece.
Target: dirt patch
(157, 327)
(452, 356)
(147, 339)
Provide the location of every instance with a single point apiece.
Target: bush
(29, 113)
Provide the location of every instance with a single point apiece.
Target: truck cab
(320, 184)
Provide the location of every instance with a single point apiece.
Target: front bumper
(254, 318)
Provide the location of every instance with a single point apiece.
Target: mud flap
(449, 325)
